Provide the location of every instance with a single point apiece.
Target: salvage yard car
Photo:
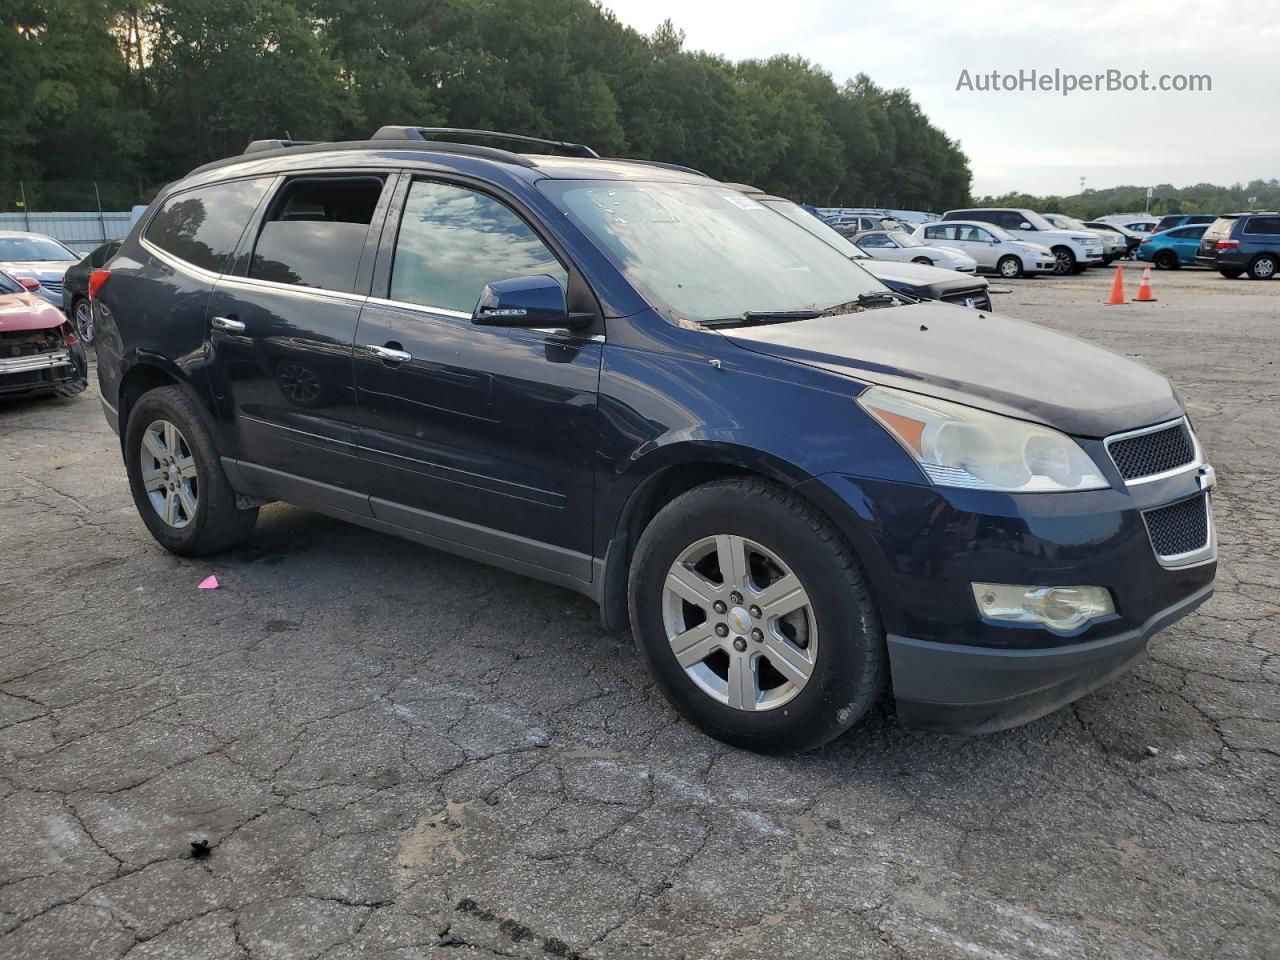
(39, 256)
(993, 248)
(901, 246)
(39, 352)
(1073, 250)
(635, 382)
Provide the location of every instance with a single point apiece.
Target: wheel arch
(657, 479)
(149, 372)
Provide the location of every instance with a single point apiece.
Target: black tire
(923, 260)
(1064, 261)
(217, 523)
(851, 665)
(1231, 274)
(1263, 266)
(1003, 266)
(1166, 260)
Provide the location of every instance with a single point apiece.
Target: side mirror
(996, 242)
(1025, 226)
(28, 283)
(523, 302)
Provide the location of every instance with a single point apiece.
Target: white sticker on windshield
(746, 203)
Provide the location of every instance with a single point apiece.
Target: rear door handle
(388, 353)
(227, 324)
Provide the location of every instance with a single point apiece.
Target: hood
(1039, 249)
(916, 274)
(26, 311)
(995, 363)
(43, 269)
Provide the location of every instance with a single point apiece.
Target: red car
(39, 351)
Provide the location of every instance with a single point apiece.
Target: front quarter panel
(670, 395)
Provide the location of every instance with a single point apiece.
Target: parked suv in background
(1182, 220)
(1073, 250)
(1114, 245)
(635, 382)
(1242, 242)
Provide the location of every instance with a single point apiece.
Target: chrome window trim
(177, 262)
(1191, 558)
(343, 295)
(419, 308)
(1196, 462)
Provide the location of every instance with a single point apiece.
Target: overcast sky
(1035, 141)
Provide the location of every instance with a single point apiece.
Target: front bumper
(923, 547)
(40, 371)
(953, 688)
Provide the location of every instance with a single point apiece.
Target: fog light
(1061, 609)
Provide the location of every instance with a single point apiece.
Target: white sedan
(995, 249)
(899, 245)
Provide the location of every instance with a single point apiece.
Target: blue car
(1173, 248)
(795, 486)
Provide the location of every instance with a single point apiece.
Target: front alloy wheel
(740, 623)
(1064, 261)
(1009, 267)
(169, 474)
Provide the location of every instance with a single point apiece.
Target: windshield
(10, 285)
(1037, 221)
(819, 228)
(26, 249)
(904, 239)
(708, 252)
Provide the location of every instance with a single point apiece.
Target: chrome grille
(1180, 528)
(1153, 451)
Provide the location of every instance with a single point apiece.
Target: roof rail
(258, 146)
(432, 133)
(681, 168)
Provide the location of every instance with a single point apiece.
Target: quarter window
(315, 232)
(203, 226)
(453, 241)
(1264, 225)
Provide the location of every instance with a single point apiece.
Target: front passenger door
(481, 436)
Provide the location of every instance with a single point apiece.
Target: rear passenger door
(479, 435)
(1185, 241)
(281, 326)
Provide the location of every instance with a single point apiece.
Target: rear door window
(315, 232)
(454, 240)
(203, 226)
(1268, 226)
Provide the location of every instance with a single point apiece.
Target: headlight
(959, 446)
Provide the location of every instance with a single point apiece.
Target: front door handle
(227, 324)
(388, 353)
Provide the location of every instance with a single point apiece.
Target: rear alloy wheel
(82, 318)
(1009, 267)
(1166, 260)
(1064, 262)
(1263, 267)
(755, 617)
(923, 260)
(176, 476)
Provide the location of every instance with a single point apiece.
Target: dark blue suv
(630, 380)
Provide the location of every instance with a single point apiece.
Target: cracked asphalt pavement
(392, 753)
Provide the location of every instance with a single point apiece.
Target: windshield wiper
(758, 317)
(863, 301)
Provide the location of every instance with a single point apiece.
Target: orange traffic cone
(1144, 288)
(1117, 289)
